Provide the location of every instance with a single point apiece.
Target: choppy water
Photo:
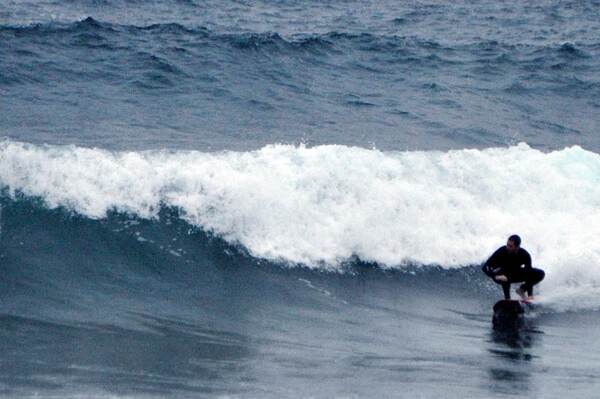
(291, 199)
(241, 75)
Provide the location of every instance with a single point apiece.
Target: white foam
(320, 206)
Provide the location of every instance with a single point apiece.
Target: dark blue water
(238, 76)
(292, 199)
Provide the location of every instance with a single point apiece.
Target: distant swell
(360, 41)
(91, 51)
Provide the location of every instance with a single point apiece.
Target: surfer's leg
(505, 286)
(534, 277)
(506, 289)
(520, 277)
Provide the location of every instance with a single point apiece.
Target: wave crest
(324, 205)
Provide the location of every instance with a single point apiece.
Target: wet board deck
(512, 305)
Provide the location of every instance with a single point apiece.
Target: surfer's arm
(526, 261)
(491, 267)
(488, 270)
(493, 272)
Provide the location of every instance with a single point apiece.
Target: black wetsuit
(516, 267)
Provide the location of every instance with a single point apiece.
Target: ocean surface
(293, 199)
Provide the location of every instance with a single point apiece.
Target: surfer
(512, 264)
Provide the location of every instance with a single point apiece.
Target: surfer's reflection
(514, 341)
(513, 346)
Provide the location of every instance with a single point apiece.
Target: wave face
(321, 207)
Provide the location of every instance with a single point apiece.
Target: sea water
(293, 199)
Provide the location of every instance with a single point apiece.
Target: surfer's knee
(538, 275)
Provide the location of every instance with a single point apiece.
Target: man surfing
(512, 264)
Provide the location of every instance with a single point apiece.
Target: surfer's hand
(502, 278)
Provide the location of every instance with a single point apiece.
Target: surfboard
(516, 306)
(510, 312)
